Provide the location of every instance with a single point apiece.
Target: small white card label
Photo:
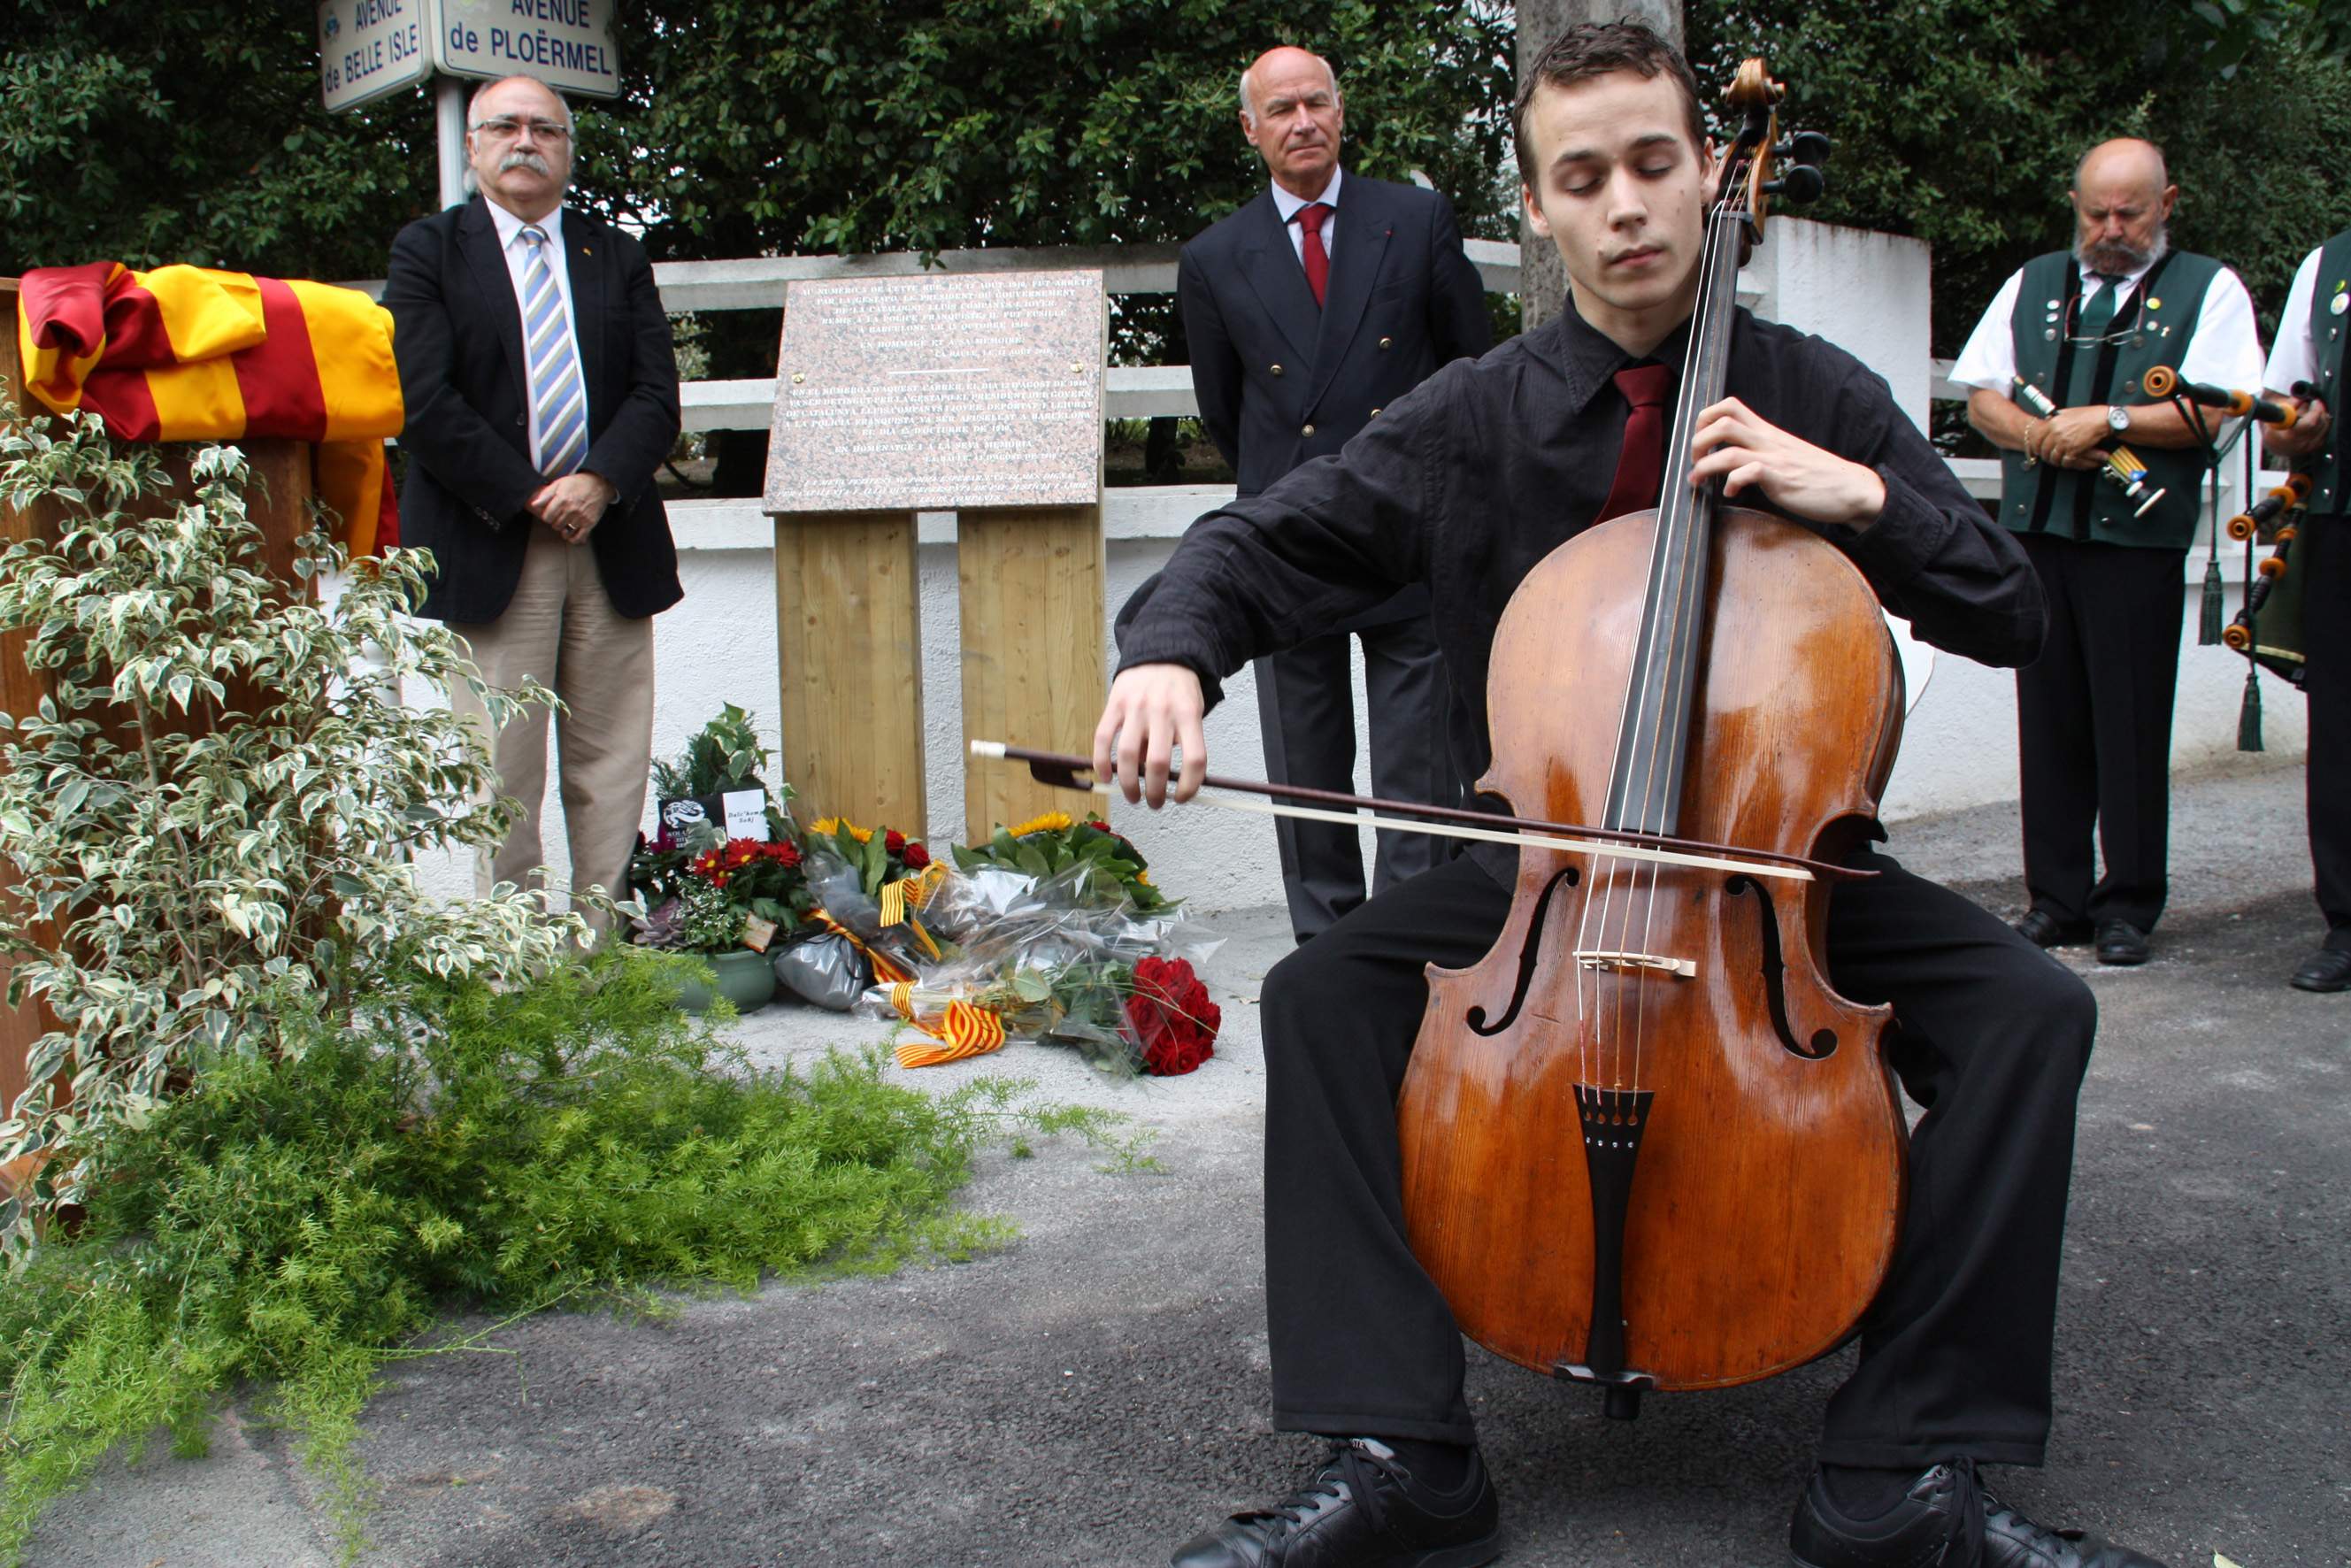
(746, 814)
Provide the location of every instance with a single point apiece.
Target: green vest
(2329, 316)
(2152, 329)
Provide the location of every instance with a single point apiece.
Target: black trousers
(1306, 709)
(2324, 544)
(2094, 730)
(1992, 1036)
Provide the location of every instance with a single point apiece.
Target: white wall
(1867, 292)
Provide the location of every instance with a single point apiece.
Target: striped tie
(559, 402)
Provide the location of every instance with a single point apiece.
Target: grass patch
(290, 1225)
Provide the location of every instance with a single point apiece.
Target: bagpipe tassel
(2249, 715)
(2209, 633)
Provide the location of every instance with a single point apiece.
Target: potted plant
(732, 900)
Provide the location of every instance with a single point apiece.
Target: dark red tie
(1640, 466)
(1317, 260)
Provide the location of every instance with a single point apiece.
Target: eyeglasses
(506, 128)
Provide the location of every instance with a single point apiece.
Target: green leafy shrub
(298, 1220)
(210, 822)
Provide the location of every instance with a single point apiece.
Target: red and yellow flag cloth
(186, 353)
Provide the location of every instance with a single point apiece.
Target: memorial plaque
(939, 394)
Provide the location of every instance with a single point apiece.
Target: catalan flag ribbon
(187, 354)
(964, 1029)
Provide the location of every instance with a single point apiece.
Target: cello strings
(1673, 675)
(1634, 777)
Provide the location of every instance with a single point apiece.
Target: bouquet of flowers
(739, 893)
(879, 857)
(1109, 868)
(1152, 1016)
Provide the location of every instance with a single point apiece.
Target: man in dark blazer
(1309, 311)
(542, 396)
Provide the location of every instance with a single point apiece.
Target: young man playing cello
(1465, 485)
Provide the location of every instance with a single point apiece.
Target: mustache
(520, 159)
(2121, 255)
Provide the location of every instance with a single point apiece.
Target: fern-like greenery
(295, 1222)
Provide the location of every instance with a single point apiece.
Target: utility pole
(1542, 286)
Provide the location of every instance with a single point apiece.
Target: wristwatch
(2117, 418)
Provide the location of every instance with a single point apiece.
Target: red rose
(894, 841)
(918, 857)
(1174, 1022)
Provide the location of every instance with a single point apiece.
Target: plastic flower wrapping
(1064, 956)
(1050, 931)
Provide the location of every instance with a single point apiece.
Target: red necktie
(1317, 260)
(1640, 466)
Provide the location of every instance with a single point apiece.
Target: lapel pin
(2340, 303)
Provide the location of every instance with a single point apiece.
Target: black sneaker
(1946, 1520)
(1360, 1508)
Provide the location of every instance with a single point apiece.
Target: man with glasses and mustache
(2093, 712)
(542, 396)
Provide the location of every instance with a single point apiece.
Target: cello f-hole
(1529, 956)
(1823, 1041)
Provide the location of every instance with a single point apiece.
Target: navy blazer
(457, 336)
(1278, 379)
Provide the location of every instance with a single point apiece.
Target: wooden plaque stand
(874, 418)
(1032, 649)
(849, 642)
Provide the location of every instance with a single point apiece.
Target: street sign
(370, 48)
(566, 43)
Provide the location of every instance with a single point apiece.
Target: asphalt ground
(1096, 1392)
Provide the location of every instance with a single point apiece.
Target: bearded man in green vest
(2309, 354)
(2093, 713)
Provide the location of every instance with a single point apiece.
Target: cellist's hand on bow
(1738, 447)
(1152, 708)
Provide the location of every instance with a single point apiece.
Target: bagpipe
(2126, 468)
(2268, 626)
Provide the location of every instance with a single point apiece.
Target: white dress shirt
(2224, 349)
(1289, 206)
(517, 254)
(2295, 357)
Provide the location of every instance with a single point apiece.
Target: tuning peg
(1800, 184)
(1809, 147)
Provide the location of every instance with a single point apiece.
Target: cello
(1645, 1144)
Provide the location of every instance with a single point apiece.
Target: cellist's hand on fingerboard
(1745, 451)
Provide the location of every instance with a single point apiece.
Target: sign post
(369, 48)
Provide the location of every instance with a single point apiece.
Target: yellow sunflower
(1050, 822)
(831, 825)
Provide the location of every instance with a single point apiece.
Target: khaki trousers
(561, 630)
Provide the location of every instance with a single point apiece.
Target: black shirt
(1468, 481)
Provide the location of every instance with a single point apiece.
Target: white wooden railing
(1129, 392)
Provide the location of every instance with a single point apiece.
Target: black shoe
(1359, 1508)
(2043, 929)
(2120, 942)
(2328, 969)
(1946, 1520)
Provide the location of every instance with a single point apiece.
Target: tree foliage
(861, 125)
(1960, 122)
(195, 132)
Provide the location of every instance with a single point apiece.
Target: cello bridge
(1636, 963)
